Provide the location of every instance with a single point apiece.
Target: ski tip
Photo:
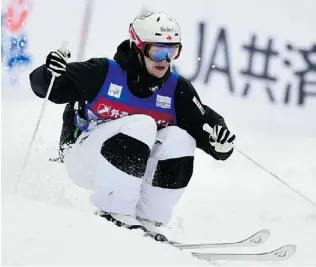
(285, 252)
(259, 238)
(265, 231)
(292, 247)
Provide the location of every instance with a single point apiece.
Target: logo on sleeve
(199, 105)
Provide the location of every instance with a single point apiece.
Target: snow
(41, 234)
(49, 221)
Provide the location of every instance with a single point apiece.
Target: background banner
(252, 61)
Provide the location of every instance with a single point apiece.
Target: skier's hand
(221, 139)
(56, 61)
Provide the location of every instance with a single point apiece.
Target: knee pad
(173, 173)
(126, 154)
(129, 150)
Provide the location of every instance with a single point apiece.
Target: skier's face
(157, 69)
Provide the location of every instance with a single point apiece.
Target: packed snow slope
(41, 234)
(50, 221)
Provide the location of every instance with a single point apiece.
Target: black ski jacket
(83, 81)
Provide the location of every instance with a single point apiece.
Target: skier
(140, 126)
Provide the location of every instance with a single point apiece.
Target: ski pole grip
(63, 49)
(207, 128)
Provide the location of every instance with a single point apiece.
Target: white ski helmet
(154, 27)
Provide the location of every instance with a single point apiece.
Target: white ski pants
(113, 190)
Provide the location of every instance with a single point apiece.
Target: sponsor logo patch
(163, 101)
(115, 90)
(104, 109)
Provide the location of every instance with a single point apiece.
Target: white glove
(56, 62)
(221, 139)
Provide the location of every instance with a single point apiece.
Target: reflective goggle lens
(163, 52)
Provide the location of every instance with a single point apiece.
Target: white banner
(252, 61)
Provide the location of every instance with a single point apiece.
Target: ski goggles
(158, 52)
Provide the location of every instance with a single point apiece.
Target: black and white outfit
(136, 151)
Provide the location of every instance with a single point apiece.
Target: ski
(252, 241)
(280, 254)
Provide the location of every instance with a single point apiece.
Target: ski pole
(209, 129)
(63, 48)
(34, 133)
